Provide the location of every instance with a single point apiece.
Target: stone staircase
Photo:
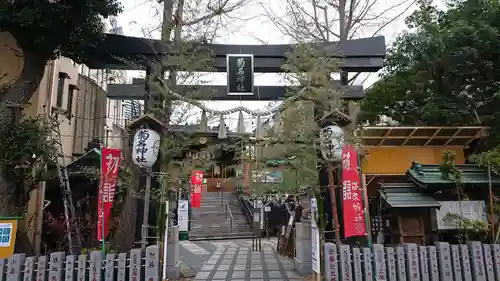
(209, 221)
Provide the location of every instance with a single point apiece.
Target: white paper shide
(145, 148)
(331, 140)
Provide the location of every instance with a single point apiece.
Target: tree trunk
(22, 89)
(124, 237)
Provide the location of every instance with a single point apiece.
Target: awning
(405, 195)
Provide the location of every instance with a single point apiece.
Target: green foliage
(62, 28)
(444, 70)
(25, 151)
(448, 169)
(475, 226)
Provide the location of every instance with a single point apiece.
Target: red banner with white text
(354, 218)
(110, 161)
(196, 187)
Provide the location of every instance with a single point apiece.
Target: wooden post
(331, 186)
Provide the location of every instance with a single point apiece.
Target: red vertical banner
(110, 161)
(354, 217)
(196, 186)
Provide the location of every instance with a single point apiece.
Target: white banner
(316, 259)
(183, 215)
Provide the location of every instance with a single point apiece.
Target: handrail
(246, 209)
(231, 218)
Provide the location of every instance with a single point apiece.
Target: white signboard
(314, 205)
(5, 234)
(473, 210)
(183, 215)
(315, 247)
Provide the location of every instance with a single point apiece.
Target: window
(71, 92)
(60, 89)
(5, 234)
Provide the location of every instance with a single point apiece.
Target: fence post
(109, 268)
(379, 263)
(152, 268)
(81, 274)
(424, 263)
(496, 260)
(466, 267)
(345, 262)
(488, 262)
(330, 262)
(56, 266)
(95, 265)
(29, 269)
(2, 269)
(14, 264)
(367, 264)
(456, 263)
(400, 263)
(69, 274)
(391, 264)
(122, 267)
(477, 264)
(41, 269)
(433, 263)
(135, 265)
(444, 260)
(412, 267)
(357, 268)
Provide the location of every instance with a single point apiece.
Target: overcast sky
(144, 17)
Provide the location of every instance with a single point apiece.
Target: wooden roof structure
(421, 136)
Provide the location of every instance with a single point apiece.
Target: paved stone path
(235, 261)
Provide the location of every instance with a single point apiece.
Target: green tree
(45, 30)
(444, 70)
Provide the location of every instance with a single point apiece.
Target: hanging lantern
(331, 140)
(145, 148)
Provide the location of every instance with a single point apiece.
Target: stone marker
(345, 263)
(496, 260)
(456, 263)
(29, 269)
(69, 272)
(56, 266)
(444, 260)
(2, 269)
(391, 264)
(356, 262)
(95, 265)
(401, 263)
(109, 267)
(477, 261)
(135, 265)
(41, 269)
(433, 263)
(330, 260)
(379, 268)
(466, 267)
(412, 262)
(424, 263)
(81, 274)
(152, 271)
(121, 273)
(367, 265)
(488, 262)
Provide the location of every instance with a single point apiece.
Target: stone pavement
(234, 260)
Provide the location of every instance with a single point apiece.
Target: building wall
(90, 117)
(87, 103)
(397, 160)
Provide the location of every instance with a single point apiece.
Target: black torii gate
(131, 53)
